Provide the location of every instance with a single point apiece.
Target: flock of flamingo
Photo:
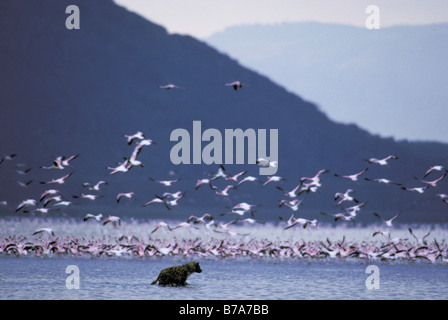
(234, 243)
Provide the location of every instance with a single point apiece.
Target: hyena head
(194, 267)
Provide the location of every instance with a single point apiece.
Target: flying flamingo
(273, 179)
(382, 162)
(434, 182)
(387, 222)
(353, 177)
(170, 86)
(128, 195)
(90, 216)
(236, 85)
(344, 197)
(112, 219)
(59, 180)
(95, 187)
(41, 230)
(25, 203)
(435, 168)
(166, 183)
(138, 135)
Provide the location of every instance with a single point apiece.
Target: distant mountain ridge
(80, 91)
(388, 81)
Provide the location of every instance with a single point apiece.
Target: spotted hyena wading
(177, 275)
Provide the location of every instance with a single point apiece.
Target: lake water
(123, 278)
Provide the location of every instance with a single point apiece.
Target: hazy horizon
(202, 18)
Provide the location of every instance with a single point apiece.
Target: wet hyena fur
(177, 276)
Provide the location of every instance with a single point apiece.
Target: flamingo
(24, 184)
(23, 172)
(63, 203)
(57, 164)
(8, 157)
(354, 209)
(112, 219)
(170, 86)
(123, 167)
(293, 193)
(48, 192)
(66, 161)
(44, 210)
(354, 177)
(383, 181)
(60, 180)
(434, 182)
(435, 168)
(90, 216)
(200, 182)
(205, 217)
(41, 230)
(138, 135)
(224, 192)
(173, 202)
(416, 189)
(128, 195)
(250, 179)
(293, 204)
(161, 225)
(170, 195)
(340, 216)
(25, 203)
(183, 225)
(166, 183)
(235, 176)
(262, 162)
(387, 222)
(236, 85)
(419, 240)
(274, 179)
(92, 197)
(220, 174)
(157, 200)
(316, 178)
(344, 197)
(132, 160)
(56, 198)
(245, 206)
(95, 187)
(382, 162)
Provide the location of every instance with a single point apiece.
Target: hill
(388, 81)
(67, 92)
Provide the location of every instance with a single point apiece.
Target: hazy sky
(201, 18)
